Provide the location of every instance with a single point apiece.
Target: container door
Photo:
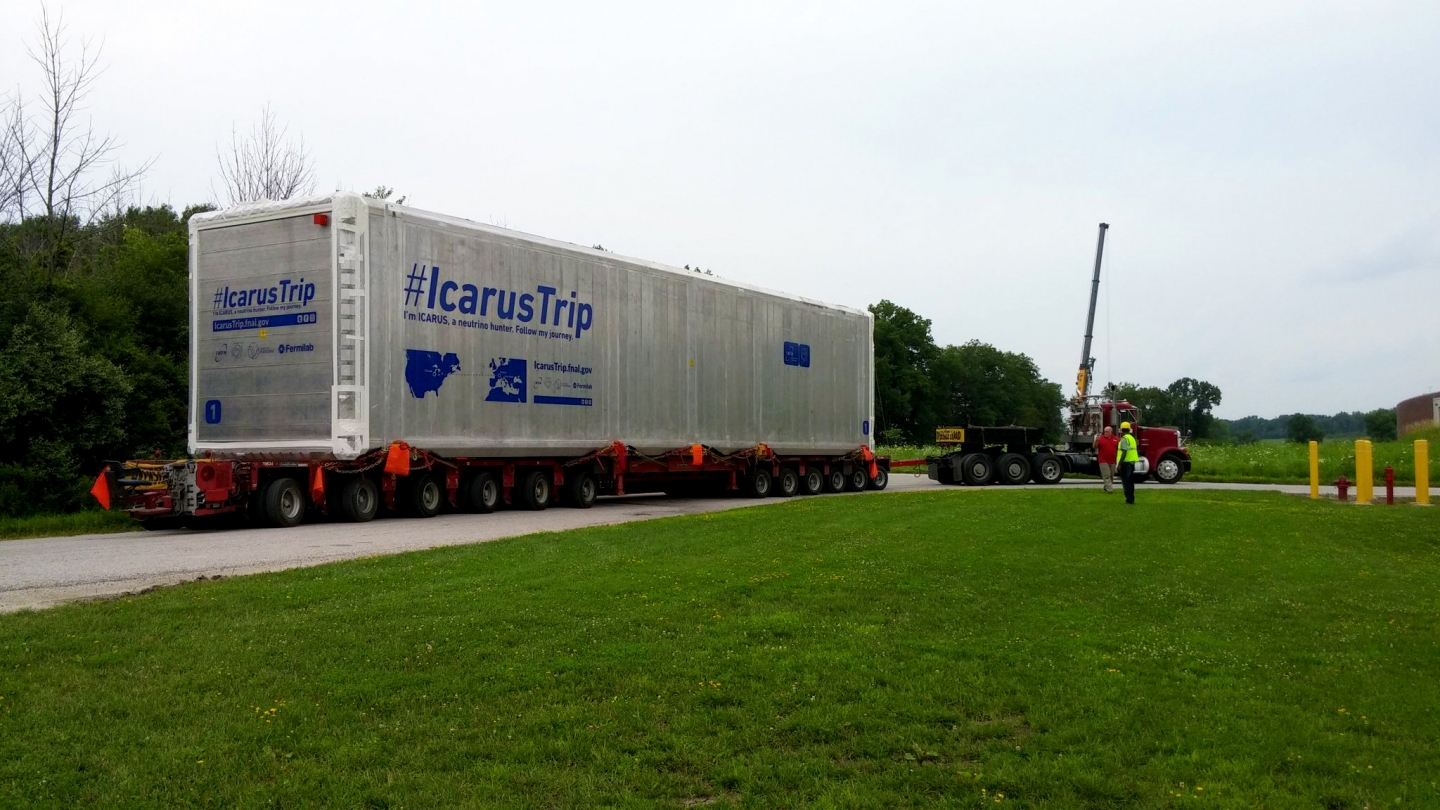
(263, 343)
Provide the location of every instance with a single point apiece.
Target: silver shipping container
(329, 327)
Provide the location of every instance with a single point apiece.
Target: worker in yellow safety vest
(1129, 454)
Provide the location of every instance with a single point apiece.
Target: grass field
(957, 648)
(89, 522)
(1289, 463)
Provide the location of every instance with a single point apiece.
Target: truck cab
(1162, 447)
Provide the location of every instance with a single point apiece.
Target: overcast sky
(1270, 171)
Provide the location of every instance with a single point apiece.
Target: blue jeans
(1127, 480)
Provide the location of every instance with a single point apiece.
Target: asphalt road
(43, 572)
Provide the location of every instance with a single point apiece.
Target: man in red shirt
(1106, 446)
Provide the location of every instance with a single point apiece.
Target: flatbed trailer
(413, 482)
(1005, 455)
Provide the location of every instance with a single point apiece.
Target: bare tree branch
(59, 154)
(14, 162)
(264, 165)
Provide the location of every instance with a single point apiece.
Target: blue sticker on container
(212, 411)
(865, 428)
(797, 354)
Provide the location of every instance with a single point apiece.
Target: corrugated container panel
(478, 341)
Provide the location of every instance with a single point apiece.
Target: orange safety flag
(697, 455)
(871, 467)
(101, 490)
(317, 484)
(397, 461)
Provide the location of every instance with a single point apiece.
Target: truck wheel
(359, 500)
(758, 483)
(814, 481)
(881, 479)
(422, 496)
(534, 491)
(581, 490)
(835, 481)
(1013, 469)
(788, 484)
(284, 503)
(977, 469)
(857, 479)
(482, 493)
(1047, 468)
(1169, 470)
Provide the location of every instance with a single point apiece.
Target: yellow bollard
(1364, 472)
(1314, 471)
(1422, 472)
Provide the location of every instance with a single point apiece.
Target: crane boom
(1087, 363)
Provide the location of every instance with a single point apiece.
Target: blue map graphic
(507, 380)
(425, 371)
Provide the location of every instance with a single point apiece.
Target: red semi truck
(1015, 455)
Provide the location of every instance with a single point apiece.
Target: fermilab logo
(291, 348)
(425, 290)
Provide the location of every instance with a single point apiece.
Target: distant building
(1418, 413)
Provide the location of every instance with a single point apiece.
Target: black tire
(759, 483)
(534, 490)
(482, 493)
(1013, 469)
(423, 496)
(359, 499)
(977, 469)
(835, 480)
(787, 484)
(284, 503)
(813, 481)
(581, 489)
(857, 479)
(881, 479)
(1169, 470)
(1047, 468)
(945, 473)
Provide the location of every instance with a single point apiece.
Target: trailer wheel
(581, 490)
(758, 483)
(881, 479)
(1047, 468)
(857, 478)
(788, 484)
(977, 469)
(835, 481)
(1169, 470)
(482, 493)
(534, 491)
(284, 503)
(1013, 469)
(423, 496)
(814, 481)
(359, 500)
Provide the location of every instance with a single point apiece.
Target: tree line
(1378, 425)
(94, 320)
(920, 385)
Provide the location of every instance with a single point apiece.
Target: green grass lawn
(89, 522)
(956, 648)
(1289, 463)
